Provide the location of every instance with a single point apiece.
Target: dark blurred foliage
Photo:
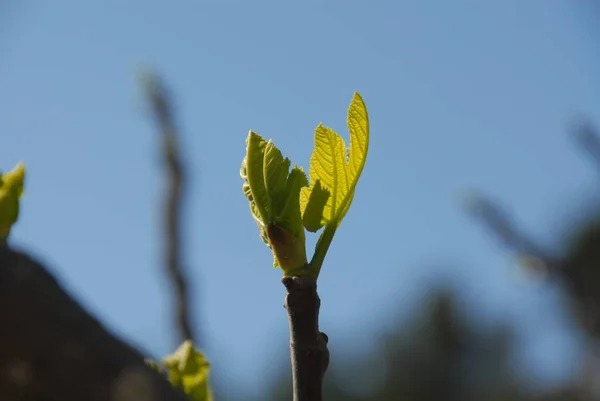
(443, 354)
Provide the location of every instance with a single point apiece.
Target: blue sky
(460, 94)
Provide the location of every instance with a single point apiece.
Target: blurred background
(469, 265)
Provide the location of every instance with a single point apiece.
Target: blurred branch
(587, 137)
(161, 106)
(52, 349)
(577, 272)
(495, 219)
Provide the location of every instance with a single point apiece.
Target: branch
(587, 137)
(52, 349)
(308, 346)
(576, 272)
(161, 108)
(503, 228)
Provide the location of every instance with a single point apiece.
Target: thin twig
(161, 108)
(308, 346)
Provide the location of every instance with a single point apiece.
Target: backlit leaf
(335, 169)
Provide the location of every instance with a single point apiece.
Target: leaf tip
(14, 178)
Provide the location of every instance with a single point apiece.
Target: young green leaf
(334, 173)
(335, 169)
(188, 370)
(289, 214)
(274, 196)
(283, 204)
(252, 174)
(275, 172)
(11, 190)
(313, 206)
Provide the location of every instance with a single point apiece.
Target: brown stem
(308, 346)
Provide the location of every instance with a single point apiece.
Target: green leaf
(274, 196)
(11, 190)
(334, 174)
(336, 169)
(289, 215)
(188, 369)
(313, 203)
(283, 204)
(275, 172)
(252, 173)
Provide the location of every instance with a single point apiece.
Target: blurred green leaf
(188, 369)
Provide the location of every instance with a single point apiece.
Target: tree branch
(51, 349)
(308, 346)
(504, 229)
(587, 137)
(162, 110)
